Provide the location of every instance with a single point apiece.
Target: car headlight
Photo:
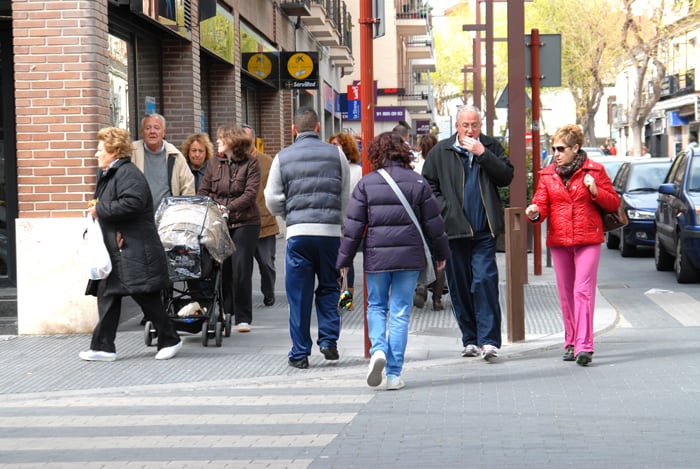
(639, 214)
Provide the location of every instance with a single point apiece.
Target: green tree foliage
(454, 49)
(591, 51)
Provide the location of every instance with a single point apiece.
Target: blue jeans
(472, 276)
(390, 293)
(308, 258)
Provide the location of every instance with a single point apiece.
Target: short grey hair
(470, 108)
(157, 116)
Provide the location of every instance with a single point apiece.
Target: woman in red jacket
(572, 193)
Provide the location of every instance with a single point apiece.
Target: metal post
(515, 222)
(367, 102)
(476, 95)
(489, 102)
(535, 83)
(516, 109)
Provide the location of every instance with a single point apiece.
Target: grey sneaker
(568, 354)
(470, 350)
(488, 352)
(584, 358)
(394, 383)
(376, 367)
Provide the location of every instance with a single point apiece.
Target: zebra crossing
(279, 425)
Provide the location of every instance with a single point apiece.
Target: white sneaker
(243, 327)
(394, 383)
(470, 350)
(488, 352)
(376, 367)
(97, 356)
(167, 353)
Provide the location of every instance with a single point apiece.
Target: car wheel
(685, 273)
(662, 259)
(611, 241)
(626, 249)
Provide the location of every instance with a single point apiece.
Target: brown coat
(235, 185)
(268, 224)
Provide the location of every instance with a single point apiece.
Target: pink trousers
(576, 269)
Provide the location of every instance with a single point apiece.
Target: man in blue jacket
(309, 186)
(465, 172)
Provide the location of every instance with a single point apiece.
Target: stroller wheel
(147, 336)
(205, 333)
(227, 324)
(218, 333)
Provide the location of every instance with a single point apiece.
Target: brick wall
(181, 94)
(62, 100)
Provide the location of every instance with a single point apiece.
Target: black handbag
(91, 288)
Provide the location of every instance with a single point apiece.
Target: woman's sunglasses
(559, 149)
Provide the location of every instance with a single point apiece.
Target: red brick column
(62, 99)
(181, 89)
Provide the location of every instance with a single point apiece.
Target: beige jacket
(268, 222)
(182, 182)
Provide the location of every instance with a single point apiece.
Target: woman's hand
(92, 209)
(589, 182)
(533, 212)
(440, 265)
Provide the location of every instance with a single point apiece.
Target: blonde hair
(203, 139)
(115, 141)
(570, 134)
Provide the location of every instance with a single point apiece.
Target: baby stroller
(195, 237)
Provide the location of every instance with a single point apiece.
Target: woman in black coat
(124, 208)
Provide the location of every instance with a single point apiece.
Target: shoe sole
(471, 353)
(374, 377)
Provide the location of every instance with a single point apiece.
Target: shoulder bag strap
(382, 172)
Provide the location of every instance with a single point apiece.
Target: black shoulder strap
(171, 165)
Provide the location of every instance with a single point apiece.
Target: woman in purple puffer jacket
(393, 252)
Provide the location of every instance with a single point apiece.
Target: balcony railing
(327, 20)
(411, 9)
(678, 84)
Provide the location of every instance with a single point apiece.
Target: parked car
(593, 151)
(637, 182)
(678, 218)
(611, 163)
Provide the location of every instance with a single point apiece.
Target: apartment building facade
(404, 56)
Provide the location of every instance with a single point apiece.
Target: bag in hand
(98, 262)
(614, 220)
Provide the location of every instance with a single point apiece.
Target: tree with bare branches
(643, 33)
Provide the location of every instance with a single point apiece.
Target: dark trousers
(109, 308)
(310, 258)
(472, 277)
(265, 257)
(237, 274)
